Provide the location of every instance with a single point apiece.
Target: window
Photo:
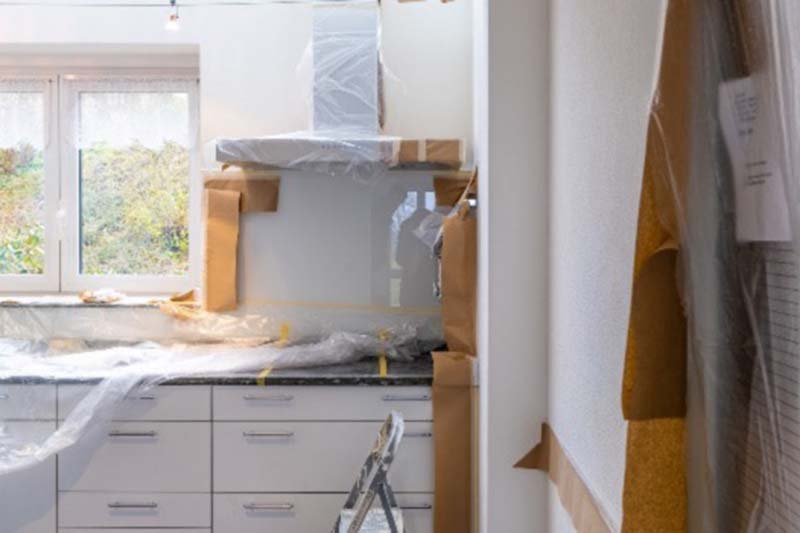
(96, 179)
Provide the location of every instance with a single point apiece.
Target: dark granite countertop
(364, 372)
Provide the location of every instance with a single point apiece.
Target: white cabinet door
(27, 402)
(304, 513)
(313, 456)
(139, 457)
(28, 497)
(321, 403)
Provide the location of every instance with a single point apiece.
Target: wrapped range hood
(346, 108)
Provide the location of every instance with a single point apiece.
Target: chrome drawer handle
(5, 397)
(419, 435)
(398, 398)
(268, 434)
(137, 434)
(275, 398)
(143, 398)
(417, 507)
(133, 505)
(268, 506)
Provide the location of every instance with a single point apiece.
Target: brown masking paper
(222, 239)
(549, 457)
(460, 280)
(445, 153)
(654, 379)
(452, 434)
(654, 498)
(448, 190)
(259, 193)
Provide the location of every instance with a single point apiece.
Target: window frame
(62, 190)
(49, 280)
(72, 279)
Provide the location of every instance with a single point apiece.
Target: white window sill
(72, 300)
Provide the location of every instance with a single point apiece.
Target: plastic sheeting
(343, 77)
(731, 194)
(119, 368)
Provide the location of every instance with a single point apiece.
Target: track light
(173, 22)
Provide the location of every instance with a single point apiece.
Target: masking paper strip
(444, 152)
(258, 195)
(576, 498)
(460, 280)
(452, 435)
(654, 380)
(448, 190)
(221, 242)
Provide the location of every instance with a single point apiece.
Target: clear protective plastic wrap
(115, 369)
(730, 193)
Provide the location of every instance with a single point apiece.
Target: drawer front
(304, 513)
(27, 402)
(27, 497)
(321, 403)
(95, 530)
(313, 456)
(133, 510)
(157, 403)
(139, 457)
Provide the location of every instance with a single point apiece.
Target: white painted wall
(513, 79)
(604, 65)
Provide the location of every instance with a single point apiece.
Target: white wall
(249, 55)
(513, 78)
(604, 66)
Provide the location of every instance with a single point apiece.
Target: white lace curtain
(23, 109)
(119, 112)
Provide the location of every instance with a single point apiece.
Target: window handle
(419, 435)
(268, 506)
(401, 398)
(417, 507)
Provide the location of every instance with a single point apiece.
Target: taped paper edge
(580, 504)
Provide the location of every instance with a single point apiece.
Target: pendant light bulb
(173, 22)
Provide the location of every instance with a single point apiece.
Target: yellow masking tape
(261, 380)
(383, 366)
(285, 330)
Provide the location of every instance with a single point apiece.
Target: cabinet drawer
(304, 513)
(313, 456)
(140, 457)
(27, 497)
(111, 510)
(27, 402)
(321, 403)
(95, 530)
(157, 403)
